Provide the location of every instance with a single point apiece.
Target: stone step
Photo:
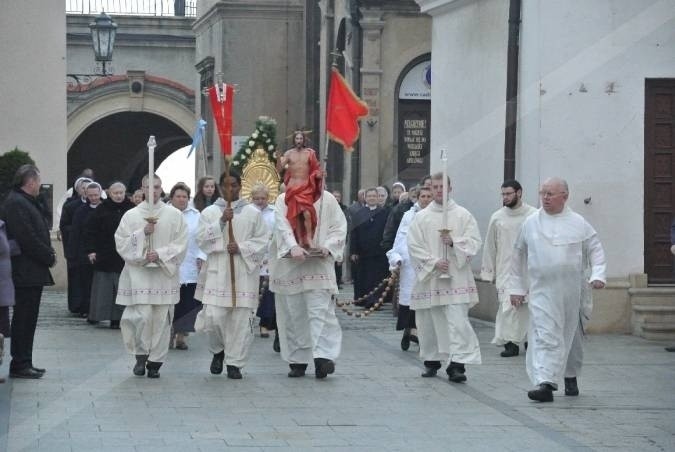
(653, 312)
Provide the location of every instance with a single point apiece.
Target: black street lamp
(103, 30)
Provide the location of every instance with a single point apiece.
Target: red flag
(344, 110)
(222, 100)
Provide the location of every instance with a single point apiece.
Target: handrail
(187, 8)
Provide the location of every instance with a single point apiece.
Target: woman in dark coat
(99, 242)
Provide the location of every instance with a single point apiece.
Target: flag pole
(324, 157)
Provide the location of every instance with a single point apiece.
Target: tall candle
(152, 144)
(444, 159)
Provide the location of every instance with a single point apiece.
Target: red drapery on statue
(222, 101)
(301, 199)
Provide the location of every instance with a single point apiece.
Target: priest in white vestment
(399, 259)
(445, 288)
(511, 322)
(303, 286)
(149, 283)
(228, 312)
(554, 253)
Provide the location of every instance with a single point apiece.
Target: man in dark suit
(28, 226)
(365, 248)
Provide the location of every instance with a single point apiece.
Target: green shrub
(10, 162)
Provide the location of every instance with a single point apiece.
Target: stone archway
(110, 120)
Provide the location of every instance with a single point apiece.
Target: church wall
(32, 85)
(404, 39)
(161, 46)
(583, 70)
(467, 108)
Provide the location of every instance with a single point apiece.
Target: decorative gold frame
(259, 170)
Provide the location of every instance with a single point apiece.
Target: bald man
(555, 250)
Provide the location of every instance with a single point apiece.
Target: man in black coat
(27, 225)
(365, 248)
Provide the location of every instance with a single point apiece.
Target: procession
(360, 225)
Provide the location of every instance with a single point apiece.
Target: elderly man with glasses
(555, 251)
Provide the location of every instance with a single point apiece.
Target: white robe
(551, 259)
(511, 322)
(250, 233)
(307, 325)
(149, 291)
(442, 304)
(228, 324)
(150, 284)
(399, 254)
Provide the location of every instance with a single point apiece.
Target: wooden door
(659, 184)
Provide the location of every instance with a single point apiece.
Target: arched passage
(110, 120)
(115, 146)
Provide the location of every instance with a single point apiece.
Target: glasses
(548, 194)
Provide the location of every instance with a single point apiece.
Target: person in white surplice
(445, 288)
(228, 312)
(554, 252)
(503, 229)
(399, 260)
(152, 240)
(303, 287)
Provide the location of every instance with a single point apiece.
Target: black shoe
(114, 324)
(217, 363)
(153, 369)
(297, 370)
(139, 368)
(571, 387)
(414, 339)
(525, 345)
(429, 372)
(544, 393)
(431, 368)
(455, 372)
(510, 349)
(405, 340)
(233, 372)
(38, 369)
(323, 367)
(92, 322)
(28, 373)
(275, 345)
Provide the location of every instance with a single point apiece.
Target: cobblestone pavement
(376, 400)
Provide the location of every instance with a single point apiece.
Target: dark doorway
(115, 147)
(659, 185)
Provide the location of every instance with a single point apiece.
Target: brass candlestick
(445, 233)
(148, 242)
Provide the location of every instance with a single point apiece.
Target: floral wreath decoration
(264, 136)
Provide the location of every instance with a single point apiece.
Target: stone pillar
(371, 81)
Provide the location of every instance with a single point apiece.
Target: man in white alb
(554, 253)
(503, 229)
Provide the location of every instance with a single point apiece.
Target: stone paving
(376, 400)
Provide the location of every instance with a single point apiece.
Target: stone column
(371, 81)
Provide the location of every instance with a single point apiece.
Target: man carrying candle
(442, 239)
(152, 240)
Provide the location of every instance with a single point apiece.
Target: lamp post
(103, 30)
